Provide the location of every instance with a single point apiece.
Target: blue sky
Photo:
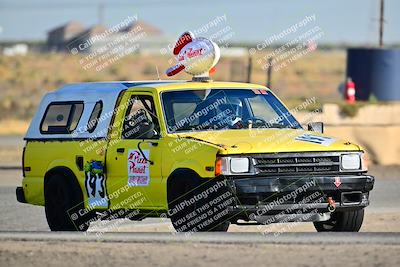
(348, 21)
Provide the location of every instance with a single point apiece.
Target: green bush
(349, 110)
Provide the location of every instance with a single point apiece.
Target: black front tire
(64, 204)
(182, 190)
(342, 221)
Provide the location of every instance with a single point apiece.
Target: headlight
(351, 162)
(240, 165)
(232, 165)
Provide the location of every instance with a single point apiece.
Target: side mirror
(316, 127)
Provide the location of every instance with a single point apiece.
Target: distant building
(73, 37)
(154, 39)
(149, 29)
(56, 38)
(88, 40)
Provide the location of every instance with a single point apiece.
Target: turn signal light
(218, 166)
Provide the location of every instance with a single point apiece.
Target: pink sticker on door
(138, 168)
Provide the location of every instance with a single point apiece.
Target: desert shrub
(350, 110)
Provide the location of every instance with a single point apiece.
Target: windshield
(217, 109)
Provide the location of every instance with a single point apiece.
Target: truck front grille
(297, 163)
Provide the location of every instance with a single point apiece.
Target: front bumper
(20, 195)
(273, 195)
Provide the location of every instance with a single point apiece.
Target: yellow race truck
(204, 154)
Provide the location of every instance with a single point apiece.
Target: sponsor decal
(258, 91)
(138, 168)
(321, 140)
(190, 53)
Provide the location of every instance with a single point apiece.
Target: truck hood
(245, 141)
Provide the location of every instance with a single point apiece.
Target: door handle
(120, 150)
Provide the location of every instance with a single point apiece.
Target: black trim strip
(59, 139)
(91, 128)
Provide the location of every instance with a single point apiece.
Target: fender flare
(67, 173)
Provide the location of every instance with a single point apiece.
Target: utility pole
(269, 72)
(249, 68)
(381, 21)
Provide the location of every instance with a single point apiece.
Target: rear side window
(94, 117)
(61, 118)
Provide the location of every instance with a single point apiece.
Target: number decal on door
(95, 185)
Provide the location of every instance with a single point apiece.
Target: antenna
(158, 73)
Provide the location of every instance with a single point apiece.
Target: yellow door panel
(133, 180)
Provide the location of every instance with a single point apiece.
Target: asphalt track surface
(213, 238)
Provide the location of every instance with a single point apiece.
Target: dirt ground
(160, 254)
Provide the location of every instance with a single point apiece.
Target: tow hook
(331, 204)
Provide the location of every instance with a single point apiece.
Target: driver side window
(140, 120)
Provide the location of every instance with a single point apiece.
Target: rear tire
(64, 204)
(342, 221)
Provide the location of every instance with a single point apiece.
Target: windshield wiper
(196, 128)
(274, 125)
